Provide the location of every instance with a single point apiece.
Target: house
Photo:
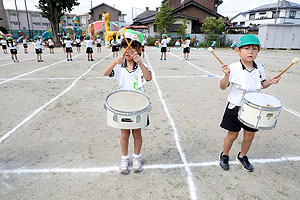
(288, 13)
(114, 14)
(195, 11)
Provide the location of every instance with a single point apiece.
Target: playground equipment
(62, 27)
(76, 26)
(47, 34)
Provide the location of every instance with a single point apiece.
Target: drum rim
(106, 105)
(265, 107)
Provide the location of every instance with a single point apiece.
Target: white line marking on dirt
(191, 184)
(48, 103)
(155, 166)
(291, 111)
(21, 60)
(47, 66)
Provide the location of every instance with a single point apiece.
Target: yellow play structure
(108, 34)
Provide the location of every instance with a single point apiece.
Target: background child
(99, 43)
(177, 44)
(186, 47)
(38, 48)
(89, 47)
(50, 44)
(25, 46)
(243, 76)
(63, 44)
(114, 46)
(163, 49)
(4, 45)
(69, 49)
(13, 49)
(78, 43)
(127, 71)
(169, 43)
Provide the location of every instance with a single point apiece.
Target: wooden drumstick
(212, 51)
(122, 32)
(294, 61)
(134, 37)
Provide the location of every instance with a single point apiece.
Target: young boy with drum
(128, 70)
(243, 76)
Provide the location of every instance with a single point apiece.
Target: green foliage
(3, 30)
(212, 25)
(151, 40)
(164, 19)
(182, 29)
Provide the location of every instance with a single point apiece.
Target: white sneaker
(124, 165)
(137, 164)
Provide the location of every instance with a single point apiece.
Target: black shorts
(69, 50)
(186, 50)
(114, 48)
(231, 122)
(143, 48)
(78, 45)
(163, 49)
(38, 51)
(98, 44)
(13, 51)
(89, 50)
(51, 46)
(63, 45)
(4, 47)
(25, 45)
(168, 44)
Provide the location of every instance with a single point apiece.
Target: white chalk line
(22, 60)
(155, 166)
(192, 188)
(48, 103)
(45, 67)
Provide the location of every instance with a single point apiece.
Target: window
(45, 24)
(100, 16)
(262, 13)
(35, 15)
(69, 24)
(13, 14)
(242, 23)
(274, 14)
(292, 14)
(14, 23)
(36, 23)
(252, 16)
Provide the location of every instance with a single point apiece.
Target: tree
(182, 29)
(54, 10)
(213, 27)
(164, 19)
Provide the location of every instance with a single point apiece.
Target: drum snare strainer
(127, 109)
(259, 110)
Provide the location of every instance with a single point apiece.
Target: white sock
(136, 156)
(125, 157)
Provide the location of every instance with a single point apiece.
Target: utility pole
(27, 19)
(18, 15)
(276, 15)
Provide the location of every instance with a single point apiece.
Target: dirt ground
(55, 143)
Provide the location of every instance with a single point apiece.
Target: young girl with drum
(127, 69)
(243, 76)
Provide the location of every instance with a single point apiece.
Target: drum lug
(138, 119)
(115, 118)
(258, 117)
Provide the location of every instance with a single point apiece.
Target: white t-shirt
(241, 80)
(50, 42)
(3, 42)
(143, 43)
(89, 43)
(114, 43)
(12, 46)
(169, 39)
(187, 43)
(68, 43)
(38, 44)
(24, 41)
(119, 41)
(99, 40)
(78, 41)
(177, 43)
(164, 42)
(133, 80)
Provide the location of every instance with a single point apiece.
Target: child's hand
(274, 80)
(226, 69)
(137, 58)
(119, 60)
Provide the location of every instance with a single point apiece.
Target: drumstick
(122, 32)
(134, 37)
(212, 51)
(294, 61)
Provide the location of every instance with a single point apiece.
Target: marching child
(114, 46)
(78, 43)
(169, 43)
(186, 47)
(99, 43)
(243, 76)
(69, 49)
(13, 49)
(38, 45)
(25, 46)
(89, 42)
(4, 45)
(63, 44)
(50, 44)
(163, 49)
(129, 70)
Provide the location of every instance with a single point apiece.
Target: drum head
(262, 99)
(127, 101)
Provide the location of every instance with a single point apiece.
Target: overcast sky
(228, 8)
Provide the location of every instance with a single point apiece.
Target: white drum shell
(258, 116)
(127, 120)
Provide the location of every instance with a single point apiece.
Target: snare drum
(259, 110)
(127, 109)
